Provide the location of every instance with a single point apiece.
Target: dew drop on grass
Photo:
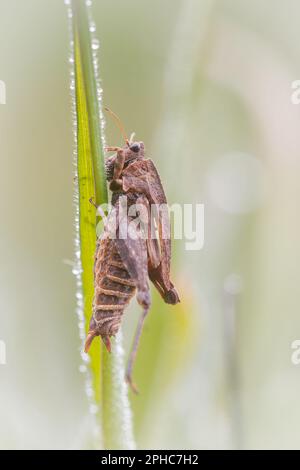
(77, 269)
(94, 409)
(119, 385)
(92, 27)
(95, 45)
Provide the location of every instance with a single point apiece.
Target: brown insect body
(123, 265)
(114, 289)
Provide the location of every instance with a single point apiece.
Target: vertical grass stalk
(105, 385)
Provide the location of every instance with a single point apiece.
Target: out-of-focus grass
(170, 337)
(239, 108)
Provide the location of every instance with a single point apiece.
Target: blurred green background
(206, 85)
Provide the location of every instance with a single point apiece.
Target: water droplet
(92, 27)
(95, 44)
(89, 391)
(93, 409)
(76, 271)
(85, 357)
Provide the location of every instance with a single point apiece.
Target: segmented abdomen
(113, 288)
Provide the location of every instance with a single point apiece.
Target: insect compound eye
(135, 147)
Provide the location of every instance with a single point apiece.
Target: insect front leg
(116, 182)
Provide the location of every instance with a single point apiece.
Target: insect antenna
(119, 124)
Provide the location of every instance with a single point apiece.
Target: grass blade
(107, 384)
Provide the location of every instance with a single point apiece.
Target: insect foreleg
(119, 164)
(116, 182)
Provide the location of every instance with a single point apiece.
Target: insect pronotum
(125, 262)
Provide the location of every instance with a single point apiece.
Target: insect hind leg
(134, 349)
(106, 341)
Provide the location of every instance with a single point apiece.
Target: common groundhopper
(135, 245)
